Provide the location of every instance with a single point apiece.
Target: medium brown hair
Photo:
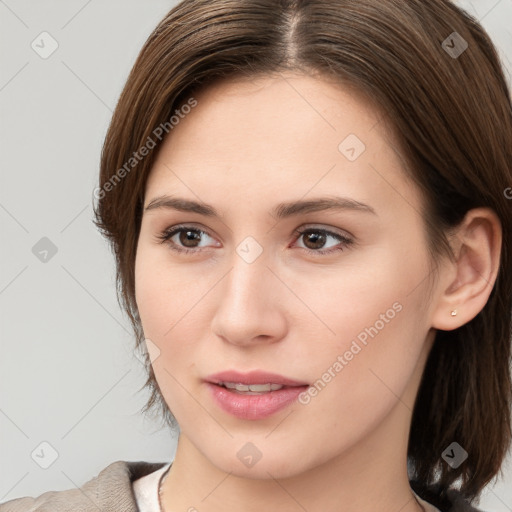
(453, 120)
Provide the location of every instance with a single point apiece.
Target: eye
(189, 236)
(315, 236)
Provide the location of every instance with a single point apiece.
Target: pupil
(316, 238)
(188, 236)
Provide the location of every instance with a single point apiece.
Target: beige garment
(110, 491)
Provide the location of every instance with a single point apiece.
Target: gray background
(68, 374)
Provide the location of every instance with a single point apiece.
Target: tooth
(252, 388)
(238, 387)
(259, 388)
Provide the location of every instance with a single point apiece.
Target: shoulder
(111, 489)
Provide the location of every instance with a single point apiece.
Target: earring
(454, 312)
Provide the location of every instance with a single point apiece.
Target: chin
(281, 464)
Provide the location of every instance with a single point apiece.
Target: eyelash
(166, 235)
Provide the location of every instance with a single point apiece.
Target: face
(265, 279)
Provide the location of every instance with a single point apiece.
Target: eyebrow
(280, 211)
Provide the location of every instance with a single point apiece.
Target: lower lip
(254, 407)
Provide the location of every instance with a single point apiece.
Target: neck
(371, 475)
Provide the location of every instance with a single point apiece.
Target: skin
(247, 146)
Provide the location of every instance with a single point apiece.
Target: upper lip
(253, 377)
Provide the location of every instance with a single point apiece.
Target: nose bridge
(249, 271)
(248, 279)
(246, 308)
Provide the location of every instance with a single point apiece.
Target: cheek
(372, 377)
(162, 291)
(151, 305)
(168, 305)
(376, 322)
(368, 294)
(358, 381)
(162, 307)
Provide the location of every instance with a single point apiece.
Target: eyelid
(343, 233)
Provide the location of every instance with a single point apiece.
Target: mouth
(252, 379)
(254, 395)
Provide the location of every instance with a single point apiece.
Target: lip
(253, 407)
(253, 377)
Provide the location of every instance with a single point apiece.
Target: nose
(250, 307)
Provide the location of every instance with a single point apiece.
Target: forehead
(274, 133)
(281, 111)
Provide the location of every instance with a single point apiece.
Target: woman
(309, 206)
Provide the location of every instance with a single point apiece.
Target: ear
(466, 283)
